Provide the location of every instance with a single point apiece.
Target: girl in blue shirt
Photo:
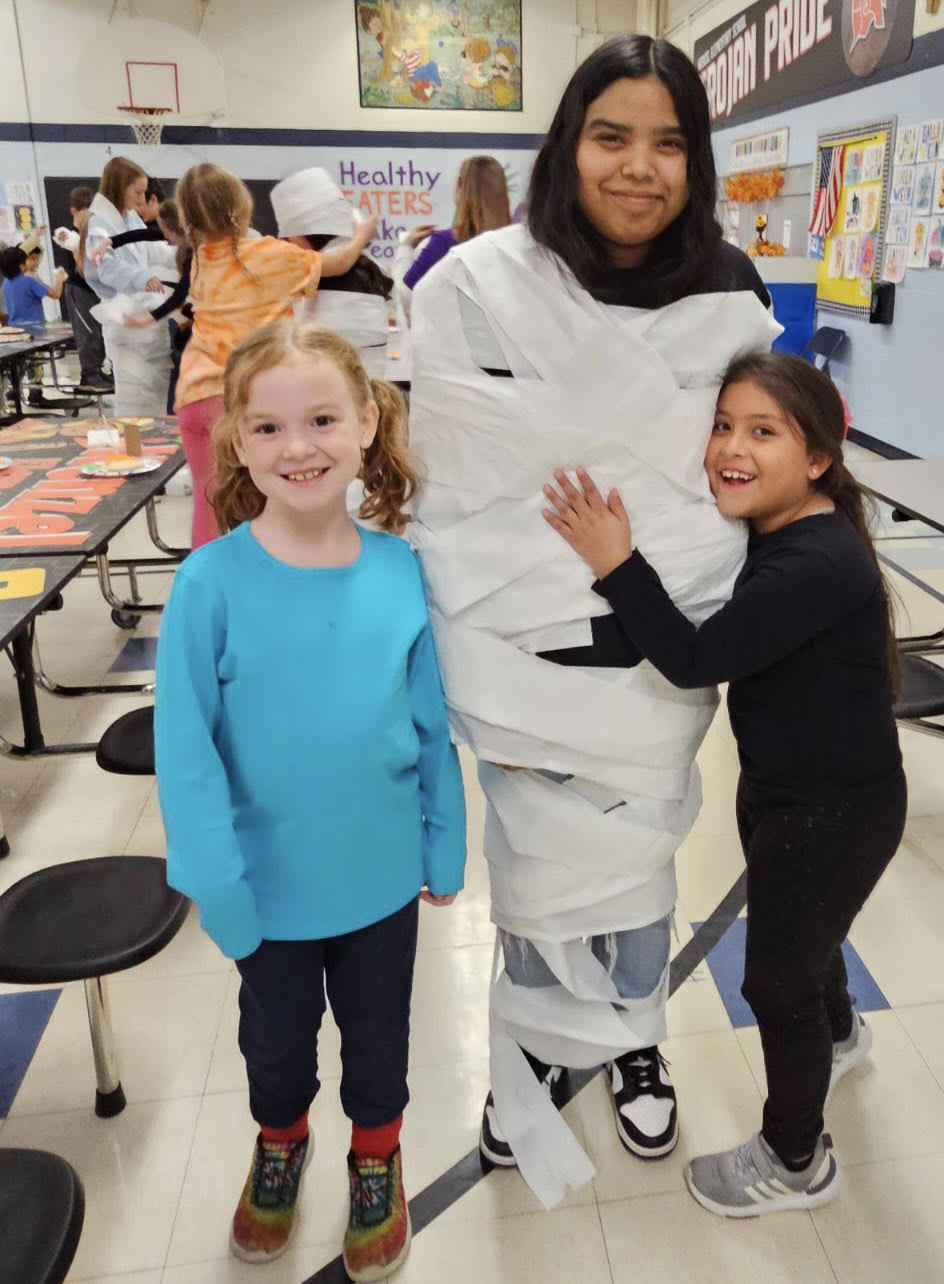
(309, 788)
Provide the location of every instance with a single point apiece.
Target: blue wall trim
(209, 135)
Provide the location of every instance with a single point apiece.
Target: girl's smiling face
(758, 463)
(302, 435)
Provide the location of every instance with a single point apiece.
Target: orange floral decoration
(748, 189)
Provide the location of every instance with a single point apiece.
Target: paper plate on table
(146, 464)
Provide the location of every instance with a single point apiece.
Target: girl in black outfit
(807, 646)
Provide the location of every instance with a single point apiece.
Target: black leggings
(811, 865)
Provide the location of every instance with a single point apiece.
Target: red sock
(376, 1143)
(297, 1131)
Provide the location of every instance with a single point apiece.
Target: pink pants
(196, 422)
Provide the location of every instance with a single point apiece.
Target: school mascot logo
(866, 30)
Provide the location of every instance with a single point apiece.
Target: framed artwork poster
(439, 55)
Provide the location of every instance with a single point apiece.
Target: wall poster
(854, 245)
(455, 55)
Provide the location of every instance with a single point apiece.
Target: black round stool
(42, 1207)
(127, 747)
(79, 922)
(922, 693)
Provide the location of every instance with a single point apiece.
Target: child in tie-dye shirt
(238, 285)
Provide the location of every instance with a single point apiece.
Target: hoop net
(147, 123)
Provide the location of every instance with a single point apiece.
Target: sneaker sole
(779, 1204)
(498, 1161)
(853, 1061)
(646, 1152)
(372, 1273)
(259, 1256)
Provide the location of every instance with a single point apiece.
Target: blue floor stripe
(138, 655)
(23, 1018)
(726, 963)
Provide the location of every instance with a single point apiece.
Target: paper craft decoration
(871, 205)
(937, 200)
(930, 134)
(851, 248)
(853, 216)
(872, 161)
(903, 180)
(866, 263)
(896, 258)
(837, 249)
(906, 145)
(918, 246)
(936, 243)
(923, 189)
(898, 231)
(853, 173)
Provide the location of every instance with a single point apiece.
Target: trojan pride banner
(776, 51)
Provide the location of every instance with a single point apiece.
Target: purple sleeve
(437, 246)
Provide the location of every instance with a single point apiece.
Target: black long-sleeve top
(177, 299)
(803, 644)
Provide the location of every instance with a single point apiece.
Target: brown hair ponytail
(809, 398)
(388, 473)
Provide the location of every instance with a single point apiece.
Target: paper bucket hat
(310, 203)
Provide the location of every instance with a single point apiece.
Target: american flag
(827, 194)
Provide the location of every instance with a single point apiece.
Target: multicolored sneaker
(377, 1239)
(265, 1215)
(750, 1180)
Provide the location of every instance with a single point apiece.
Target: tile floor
(162, 1178)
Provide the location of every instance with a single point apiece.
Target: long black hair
(365, 277)
(688, 249)
(810, 399)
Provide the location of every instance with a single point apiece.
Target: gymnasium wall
(293, 101)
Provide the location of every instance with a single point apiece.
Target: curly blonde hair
(389, 475)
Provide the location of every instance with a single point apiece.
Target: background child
(23, 296)
(482, 205)
(23, 293)
(166, 226)
(307, 780)
(311, 212)
(238, 284)
(807, 645)
(80, 298)
(140, 360)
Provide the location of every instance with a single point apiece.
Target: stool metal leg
(109, 1094)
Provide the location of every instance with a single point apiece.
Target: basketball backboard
(138, 62)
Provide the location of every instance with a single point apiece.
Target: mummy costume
(140, 358)
(581, 844)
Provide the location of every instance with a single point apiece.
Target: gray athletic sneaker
(750, 1180)
(850, 1052)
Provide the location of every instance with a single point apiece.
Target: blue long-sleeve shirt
(307, 780)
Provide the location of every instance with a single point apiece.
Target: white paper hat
(310, 204)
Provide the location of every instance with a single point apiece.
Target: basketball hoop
(147, 123)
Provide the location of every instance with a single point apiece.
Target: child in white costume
(311, 212)
(597, 334)
(140, 358)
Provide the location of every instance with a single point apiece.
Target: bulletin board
(854, 246)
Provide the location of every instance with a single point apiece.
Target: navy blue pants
(368, 976)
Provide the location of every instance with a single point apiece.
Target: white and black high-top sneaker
(644, 1101)
(493, 1144)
